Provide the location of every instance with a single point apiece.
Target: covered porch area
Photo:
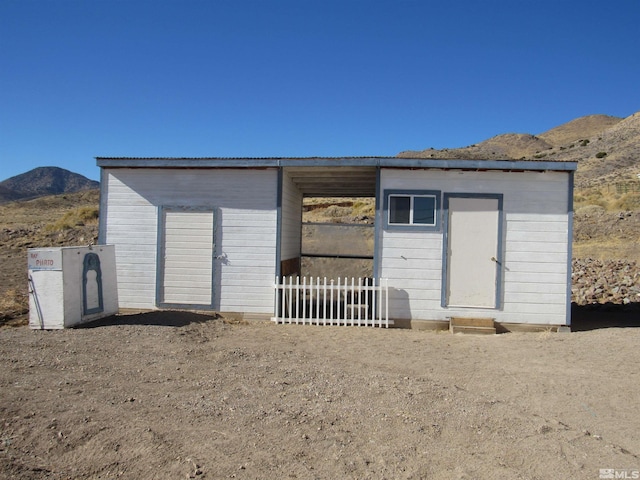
(327, 229)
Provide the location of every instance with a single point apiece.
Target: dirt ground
(170, 395)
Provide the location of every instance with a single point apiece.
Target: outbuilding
(454, 239)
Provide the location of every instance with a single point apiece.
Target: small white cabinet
(71, 285)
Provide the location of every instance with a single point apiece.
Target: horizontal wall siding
(291, 219)
(132, 226)
(245, 234)
(535, 242)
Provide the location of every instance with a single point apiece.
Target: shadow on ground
(607, 315)
(159, 319)
(583, 318)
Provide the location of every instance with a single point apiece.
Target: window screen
(399, 209)
(424, 210)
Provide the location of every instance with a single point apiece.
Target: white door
(472, 253)
(187, 257)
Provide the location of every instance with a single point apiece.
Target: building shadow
(164, 318)
(607, 315)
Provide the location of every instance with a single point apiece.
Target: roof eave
(384, 162)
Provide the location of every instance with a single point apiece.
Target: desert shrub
(594, 202)
(601, 154)
(584, 143)
(336, 211)
(579, 198)
(628, 201)
(75, 218)
(590, 210)
(590, 197)
(88, 213)
(364, 207)
(588, 194)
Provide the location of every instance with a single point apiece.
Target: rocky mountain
(43, 181)
(606, 148)
(7, 195)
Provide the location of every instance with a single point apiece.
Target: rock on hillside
(43, 181)
(605, 282)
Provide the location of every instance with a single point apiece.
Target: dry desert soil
(172, 395)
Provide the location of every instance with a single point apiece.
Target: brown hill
(606, 148)
(43, 181)
(579, 129)
(610, 156)
(500, 147)
(515, 145)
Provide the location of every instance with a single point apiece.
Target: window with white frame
(412, 209)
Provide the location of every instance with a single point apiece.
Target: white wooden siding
(535, 238)
(535, 241)
(245, 200)
(291, 219)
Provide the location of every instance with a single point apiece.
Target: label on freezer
(45, 259)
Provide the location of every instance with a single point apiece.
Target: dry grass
(338, 210)
(600, 249)
(45, 210)
(606, 223)
(627, 201)
(547, 333)
(589, 197)
(76, 218)
(365, 206)
(603, 197)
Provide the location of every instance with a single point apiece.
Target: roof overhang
(336, 177)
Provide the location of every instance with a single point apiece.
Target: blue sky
(260, 78)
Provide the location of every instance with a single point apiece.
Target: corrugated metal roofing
(347, 158)
(506, 164)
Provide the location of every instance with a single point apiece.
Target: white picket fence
(361, 302)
